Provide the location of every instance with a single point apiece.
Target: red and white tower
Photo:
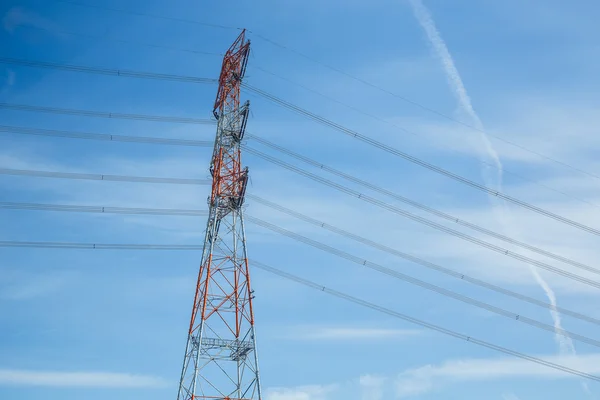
(220, 356)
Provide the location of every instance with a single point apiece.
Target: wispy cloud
(78, 379)
(431, 377)
(492, 178)
(372, 387)
(351, 333)
(314, 392)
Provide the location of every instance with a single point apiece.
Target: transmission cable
(182, 142)
(441, 146)
(99, 246)
(130, 42)
(422, 323)
(297, 109)
(323, 247)
(417, 282)
(337, 70)
(418, 161)
(336, 186)
(107, 71)
(103, 177)
(141, 14)
(103, 136)
(428, 109)
(100, 209)
(100, 114)
(331, 228)
(326, 182)
(421, 206)
(422, 220)
(376, 267)
(418, 260)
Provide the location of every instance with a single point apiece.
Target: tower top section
(232, 73)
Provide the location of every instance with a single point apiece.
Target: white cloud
(313, 392)
(78, 379)
(424, 379)
(510, 396)
(351, 333)
(372, 387)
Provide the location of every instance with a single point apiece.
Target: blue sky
(111, 324)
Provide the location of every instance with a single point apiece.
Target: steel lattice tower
(220, 356)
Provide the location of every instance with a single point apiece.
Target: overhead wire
(342, 72)
(142, 14)
(192, 79)
(103, 136)
(420, 322)
(332, 250)
(101, 114)
(410, 132)
(318, 119)
(417, 260)
(103, 177)
(424, 221)
(365, 82)
(415, 160)
(363, 197)
(420, 205)
(417, 282)
(98, 246)
(428, 109)
(351, 178)
(295, 214)
(107, 71)
(124, 41)
(101, 209)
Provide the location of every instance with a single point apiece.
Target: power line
(98, 246)
(103, 177)
(131, 42)
(352, 193)
(422, 323)
(424, 221)
(100, 114)
(421, 206)
(141, 14)
(81, 135)
(331, 228)
(326, 248)
(337, 70)
(103, 136)
(192, 79)
(91, 246)
(100, 209)
(315, 117)
(425, 108)
(107, 71)
(417, 282)
(418, 161)
(445, 147)
(420, 261)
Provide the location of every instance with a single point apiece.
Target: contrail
(491, 178)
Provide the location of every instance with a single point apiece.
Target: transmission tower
(220, 356)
